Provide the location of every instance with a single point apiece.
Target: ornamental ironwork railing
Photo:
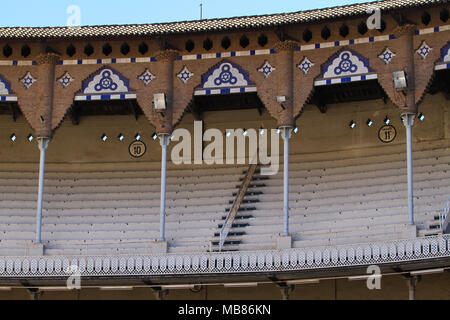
(379, 253)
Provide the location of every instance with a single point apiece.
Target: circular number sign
(137, 149)
(387, 134)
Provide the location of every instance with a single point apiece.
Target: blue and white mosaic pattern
(424, 50)
(66, 80)
(226, 75)
(28, 80)
(305, 65)
(185, 75)
(346, 63)
(5, 87)
(5, 91)
(446, 53)
(266, 69)
(224, 91)
(105, 81)
(121, 96)
(147, 77)
(345, 80)
(444, 63)
(387, 56)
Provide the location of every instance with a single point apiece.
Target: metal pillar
(412, 284)
(408, 121)
(43, 145)
(164, 141)
(287, 133)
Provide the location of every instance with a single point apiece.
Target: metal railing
(228, 224)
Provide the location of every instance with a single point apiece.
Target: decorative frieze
(331, 257)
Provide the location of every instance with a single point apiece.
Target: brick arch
(184, 92)
(425, 73)
(7, 94)
(304, 82)
(64, 97)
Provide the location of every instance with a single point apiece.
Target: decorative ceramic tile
(387, 56)
(226, 75)
(346, 63)
(424, 50)
(5, 87)
(105, 81)
(305, 65)
(65, 80)
(185, 75)
(266, 69)
(28, 80)
(147, 77)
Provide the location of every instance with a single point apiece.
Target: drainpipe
(43, 145)
(287, 133)
(164, 141)
(408, 121)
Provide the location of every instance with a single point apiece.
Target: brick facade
(46, 103)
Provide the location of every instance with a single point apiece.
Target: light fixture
(137, 137)
(245, 133)
(30, 138)
(262, 132)
(426, 272)
(387, 121)
(104, 137)
(310, 281)
(296, 130)
(178, 287)
(116, 288)
(155, 136)
(400, 80)
(422, 117)
(228, 133)
(369, 123)
(353, 125)
(121, 137)
(363, 278)
(57, 289)
(159, 101)
(241, 285)
(278, 131)
(13, 137)
(281, 99)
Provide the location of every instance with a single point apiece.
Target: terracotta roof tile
(207, 25)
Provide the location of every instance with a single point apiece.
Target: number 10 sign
(137, 149)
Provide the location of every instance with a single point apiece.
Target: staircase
(233, 225)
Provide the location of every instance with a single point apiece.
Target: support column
(286, 122)
(412, 284)
(408, 121)
(43, 145)
(164, 141)
(287, 133)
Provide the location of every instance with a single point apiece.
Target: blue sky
(99, 12)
